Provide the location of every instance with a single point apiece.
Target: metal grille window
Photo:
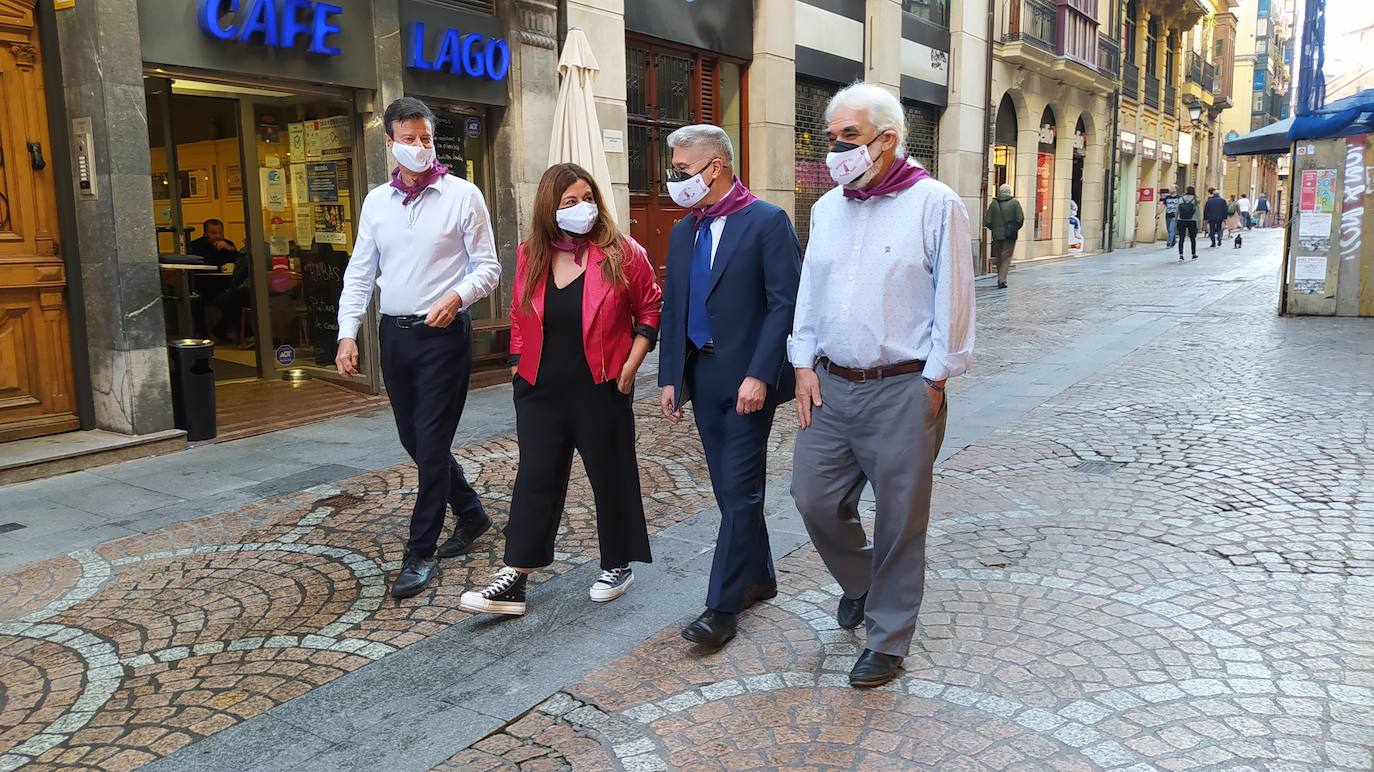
(812, 176)
(923, 134)
(480, 6)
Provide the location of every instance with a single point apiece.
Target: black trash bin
(193, 387)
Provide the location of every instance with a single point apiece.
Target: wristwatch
(934, 385)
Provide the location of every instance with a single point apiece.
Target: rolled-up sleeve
(952, 323)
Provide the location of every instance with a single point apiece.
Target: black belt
(404, 322)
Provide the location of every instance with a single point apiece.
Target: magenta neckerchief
(738, 198)
(437, 171)
(898, 177)
(577, 246)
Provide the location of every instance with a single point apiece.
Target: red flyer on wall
(1308, 202)
(1147, 194)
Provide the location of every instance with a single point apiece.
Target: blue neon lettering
(497, 71)
(209, 14)
(415, 56)
(262, 20)
(447, 58)
(291, 24)
(324, 28)
(472, 60)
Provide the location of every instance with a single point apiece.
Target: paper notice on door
(305, 226)
(335, 137)
(1314, 225)
(295, 142)
(273, 183)
(300, 185)
(1309, 273)
(312, 140)
(330, 227)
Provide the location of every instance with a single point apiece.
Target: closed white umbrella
(576, 131)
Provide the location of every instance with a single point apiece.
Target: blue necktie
(698, 323)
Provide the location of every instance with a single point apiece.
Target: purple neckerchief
(898, 177)
(436, 172)
(576, 246)
(738, 198)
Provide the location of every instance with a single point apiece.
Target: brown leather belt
(872, 373)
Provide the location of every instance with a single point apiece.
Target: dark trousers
(598, 422)
(1214, 232)
(426, 372)
(1187, 229)
(736, 455)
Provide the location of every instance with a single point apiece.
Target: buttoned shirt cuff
(801, 353)
(349, 329)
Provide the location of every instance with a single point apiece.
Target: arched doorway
(1004, 145)
(1044, 175)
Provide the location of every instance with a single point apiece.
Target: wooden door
(35, 355)
(667, 88)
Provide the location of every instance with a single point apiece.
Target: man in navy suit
(733, 268)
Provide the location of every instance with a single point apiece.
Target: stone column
(883, 43)
(101, 69)
(963, 126)
(386, 32)
(1027, 166)
(604, 23)
(773, 104)
(1065, 116)
(1094, 168)
(523, 134)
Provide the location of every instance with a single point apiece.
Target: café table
(182, 274)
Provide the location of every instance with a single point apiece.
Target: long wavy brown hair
(544, 231)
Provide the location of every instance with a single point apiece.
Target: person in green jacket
(1004, 219)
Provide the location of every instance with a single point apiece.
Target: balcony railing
(1209, 77)
(1130, 81)
(934, 11)
(1108, 56)
(1170, 99)
(1194, 69)
(1151, 90)
(1030, 21)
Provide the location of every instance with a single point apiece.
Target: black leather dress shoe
(758, 593)
(874, 669)
(851, 612)
(464, 534)
(712, 628)
(415, 576)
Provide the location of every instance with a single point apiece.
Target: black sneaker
(505, 595)
(612, 584)
(416, 574)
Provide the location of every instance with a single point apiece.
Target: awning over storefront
(1342, 118)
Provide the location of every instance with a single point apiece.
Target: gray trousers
(885, 433)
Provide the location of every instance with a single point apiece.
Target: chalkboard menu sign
(448, 142)
(322, 272)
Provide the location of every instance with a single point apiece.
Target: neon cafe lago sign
(310, 25)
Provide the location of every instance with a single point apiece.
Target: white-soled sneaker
(505, 595)
(612, 584)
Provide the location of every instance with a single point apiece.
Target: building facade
(1262, 92)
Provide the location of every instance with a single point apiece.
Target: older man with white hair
(733, 265)
(884, 317)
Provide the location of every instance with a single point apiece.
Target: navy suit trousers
(736, 454)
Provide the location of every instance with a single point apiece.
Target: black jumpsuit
(565, 410)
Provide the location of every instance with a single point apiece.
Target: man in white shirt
(1245, 208)
(425, 241)
(884, 317)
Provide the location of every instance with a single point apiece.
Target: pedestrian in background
(884, 317)
(1262, 211)
(1169, 200)
(1003, 220)
(1233, 221)
(584, 314)
(1214, 213)
(425, 241)
(1188, 207)
(1245, 207)
(733, 264)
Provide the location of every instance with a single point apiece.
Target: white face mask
(416, 158)
(849, 165)
(577, 219)
(691, 191)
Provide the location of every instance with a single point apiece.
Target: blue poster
(323, 182)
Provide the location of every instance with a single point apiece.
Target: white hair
(704, 136)
(880, 105)
(1004, 188)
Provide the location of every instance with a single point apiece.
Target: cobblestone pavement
(1167, 565)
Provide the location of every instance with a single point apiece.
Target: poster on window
(323, 182)
(330, 226)
(273, 183)
(305, 226)
(295, 142)
(1044, 195)
(335, 136)
(300, 187)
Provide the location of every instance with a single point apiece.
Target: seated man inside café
(213, 247)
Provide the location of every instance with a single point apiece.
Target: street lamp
(1195, 111)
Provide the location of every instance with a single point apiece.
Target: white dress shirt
(415, 254)
(887, 280)
(1244, 205)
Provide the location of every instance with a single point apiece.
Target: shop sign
(473, 54)
(1166, 154)
(275, 23)
(1148, 149)
(1128, 142)
(1147, 195)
